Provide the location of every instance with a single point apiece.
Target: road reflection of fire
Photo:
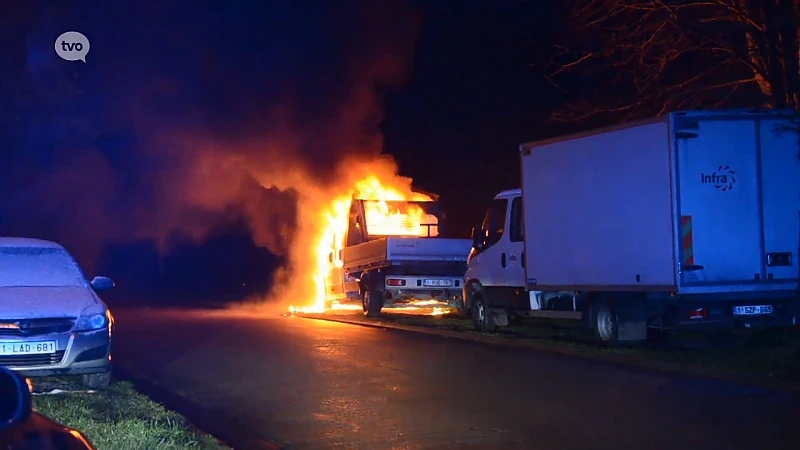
(420, 311)
(419, 308)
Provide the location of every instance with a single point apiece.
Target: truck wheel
(371, 303)
(618, 322)
(606, 323)
(481, 318)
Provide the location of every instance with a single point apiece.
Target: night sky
(130, 159)
(472, 98)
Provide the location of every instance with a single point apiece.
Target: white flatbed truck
(397, 267)
(687, 219)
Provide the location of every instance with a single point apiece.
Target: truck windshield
(399, 218)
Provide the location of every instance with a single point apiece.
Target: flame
(425, 302)
(411, 220)
(396, 220)
(332, 220)
(438, 311)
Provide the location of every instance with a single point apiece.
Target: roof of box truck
(705, 113)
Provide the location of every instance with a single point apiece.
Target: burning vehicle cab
(51, 320)
(393, 256)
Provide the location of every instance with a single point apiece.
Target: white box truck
(687, 219)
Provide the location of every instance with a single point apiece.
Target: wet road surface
(312, 384)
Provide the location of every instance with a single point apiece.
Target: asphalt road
(313, 384)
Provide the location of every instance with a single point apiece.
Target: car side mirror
(102, 283)
(16, 405)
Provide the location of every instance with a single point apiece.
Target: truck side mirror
(477, 239)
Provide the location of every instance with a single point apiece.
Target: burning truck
(391, 255)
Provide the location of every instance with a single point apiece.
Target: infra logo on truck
(723, 178)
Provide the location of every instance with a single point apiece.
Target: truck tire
(481, 318)
(372, 303)
(605, 323)
(619, 322)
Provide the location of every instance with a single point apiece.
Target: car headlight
(90, 322)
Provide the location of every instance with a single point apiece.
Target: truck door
(514, 268)
(487, 261)
(339, 284)
(780, 178)
(739, 199)
(356, 234)
(334, 282)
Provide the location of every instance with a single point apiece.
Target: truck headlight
(91, 322)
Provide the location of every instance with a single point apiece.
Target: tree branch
(647, 56)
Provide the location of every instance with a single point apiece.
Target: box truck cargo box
(689, 202)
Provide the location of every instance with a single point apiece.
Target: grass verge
(117, 418)
(765, 355)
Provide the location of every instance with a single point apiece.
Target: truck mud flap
(630, 313)
(632, 320)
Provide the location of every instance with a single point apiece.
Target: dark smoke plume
(183, 109)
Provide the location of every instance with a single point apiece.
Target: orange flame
(385, 220)
(332, 223)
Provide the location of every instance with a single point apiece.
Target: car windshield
(38, 267)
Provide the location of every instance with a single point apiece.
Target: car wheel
(96, 381)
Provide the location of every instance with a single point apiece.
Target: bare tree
(643, 57)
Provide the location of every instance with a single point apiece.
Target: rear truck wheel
(605, 324)
(372, 303)
(619, 322)
(481, 317)
(96, 381)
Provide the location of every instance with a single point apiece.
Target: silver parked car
(51, 320)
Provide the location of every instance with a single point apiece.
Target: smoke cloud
(190, 114)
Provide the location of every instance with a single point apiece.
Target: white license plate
(752, 310)
(437, 283)
(27, 348)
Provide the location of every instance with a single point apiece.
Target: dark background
(129, 160)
